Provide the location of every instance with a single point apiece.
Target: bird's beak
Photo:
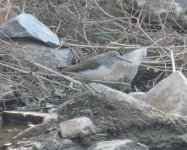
(123, 59)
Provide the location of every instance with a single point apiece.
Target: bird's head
(113, 54)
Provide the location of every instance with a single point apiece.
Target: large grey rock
(170, 95)
(78, 126)
(130, 69)
(45, 55)
(26, 25)
(118, 145)
(136, 56)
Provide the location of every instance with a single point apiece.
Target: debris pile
(66, 113)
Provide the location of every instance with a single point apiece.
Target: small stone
(76, 127)
(67, 142)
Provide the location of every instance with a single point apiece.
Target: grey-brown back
(92, 63)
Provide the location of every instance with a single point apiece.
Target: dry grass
(89, 27)
(29, 80)
(94, 26)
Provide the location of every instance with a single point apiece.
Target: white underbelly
(100, 74)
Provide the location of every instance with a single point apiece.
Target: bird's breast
(117, 73)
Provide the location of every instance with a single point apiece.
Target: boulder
(136, 57)
(120, 116)
(27, 26)
(45, 55)
(118, 145)
(116, 116)
(77, 127)
(169, 95)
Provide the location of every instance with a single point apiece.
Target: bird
(102, 67)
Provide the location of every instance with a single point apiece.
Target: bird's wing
(83, 66)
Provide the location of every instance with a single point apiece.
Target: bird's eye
(115, 55)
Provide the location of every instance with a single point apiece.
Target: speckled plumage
(98, 67)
